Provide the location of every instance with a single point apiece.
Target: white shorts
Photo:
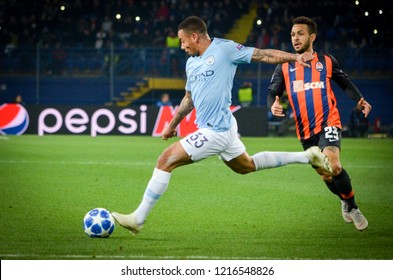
(205, 143)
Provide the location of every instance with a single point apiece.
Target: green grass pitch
(208, 212)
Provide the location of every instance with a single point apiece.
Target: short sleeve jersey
(210, 80)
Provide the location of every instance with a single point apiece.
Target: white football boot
(358, 219)
(345, 213)
(354, 216)
(318, 159)
(127, 222)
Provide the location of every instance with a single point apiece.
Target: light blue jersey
(210, 81)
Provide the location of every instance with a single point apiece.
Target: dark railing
(76, 61)
(161, 62)
(113, 71)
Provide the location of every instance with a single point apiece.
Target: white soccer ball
(98, 223)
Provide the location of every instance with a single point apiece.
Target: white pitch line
(127, 257)
(74, 162)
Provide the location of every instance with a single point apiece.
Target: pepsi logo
(14, 119)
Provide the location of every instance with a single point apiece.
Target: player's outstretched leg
(128, 222)
(154, 190)
(318, 159)
(313, 155)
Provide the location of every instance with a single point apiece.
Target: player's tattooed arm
(262, 56)
(277, 56)
(185, 108)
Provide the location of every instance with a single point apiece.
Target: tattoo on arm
(261, 55)
(272, 56)
(185, 108)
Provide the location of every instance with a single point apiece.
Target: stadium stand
(95, 39)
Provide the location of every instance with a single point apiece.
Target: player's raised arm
(276, 56)
(185, 108)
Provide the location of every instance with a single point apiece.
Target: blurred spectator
(358, 41)
(100, 39)
(206, 12)
(172, 42)
(164, 101)
(263, 39)
(245, 94)
(163, 12)
(215, 26)
(106, 25)
(19, 100)
(159, 39)
(59, 57)
(25, 23)
(172, 48)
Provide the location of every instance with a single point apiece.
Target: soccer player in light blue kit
(210, 71)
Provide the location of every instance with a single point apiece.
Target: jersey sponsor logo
(319, 66)
(210, 60)
(14, 119)
(201, 76)
(299, 85)
(293, 69)
(239, 47)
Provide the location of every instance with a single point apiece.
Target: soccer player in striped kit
(315, 109)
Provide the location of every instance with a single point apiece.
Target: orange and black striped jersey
(310, 92)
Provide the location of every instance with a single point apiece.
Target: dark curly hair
(311, 24)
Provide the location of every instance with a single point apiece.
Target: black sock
(344, 187)
(332, 187)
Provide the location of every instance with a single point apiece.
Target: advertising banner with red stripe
(16, 119)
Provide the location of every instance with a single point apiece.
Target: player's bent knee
(242, 169)
(172, 158)
(336, 168)
(242, 164)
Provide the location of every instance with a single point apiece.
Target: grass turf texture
(49, 183)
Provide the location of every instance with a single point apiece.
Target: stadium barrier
(100, 120)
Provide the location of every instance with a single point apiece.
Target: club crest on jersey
(14, 119)
(239, 47)
(210, 60)
(319, 66)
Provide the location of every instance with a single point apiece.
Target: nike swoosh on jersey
(293, 69)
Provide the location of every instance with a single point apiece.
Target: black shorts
(329, 136)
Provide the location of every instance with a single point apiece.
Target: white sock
(154, 190)
(266, 160)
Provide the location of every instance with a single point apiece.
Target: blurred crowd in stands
(342, 24)
(95, 23)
